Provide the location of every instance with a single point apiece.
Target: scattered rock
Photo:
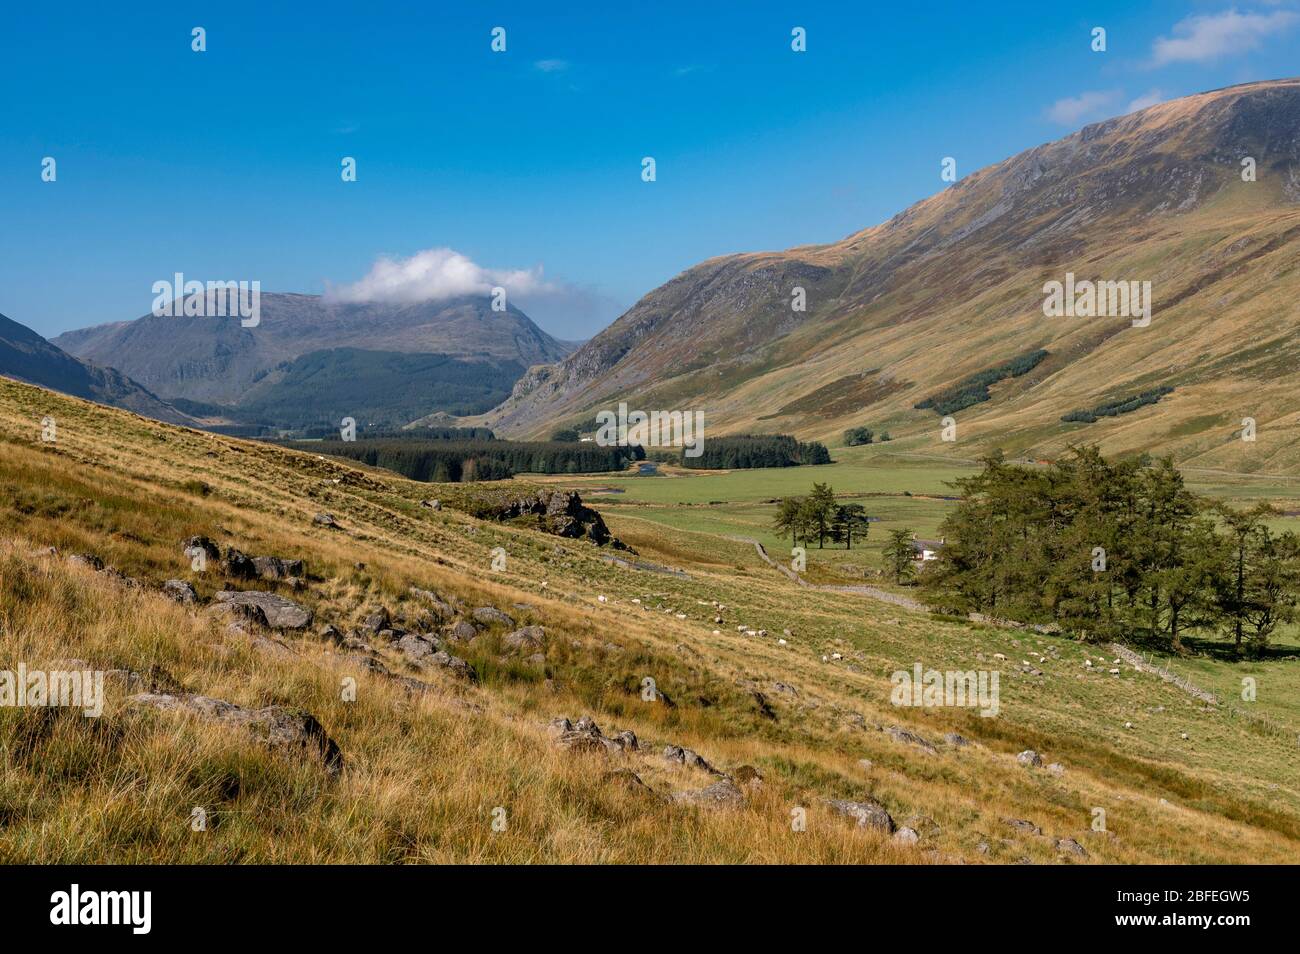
(277, 568)
(530, 637)
(1056, 768)
(952, 738)
(180, 591)
(488, 615)
(462, 632)
(868, 814)
(908, 737)
(1030, 757)
(689, 758)
(453, 664)
(376, 620)
(279, 727)
(1023, 826)
(280, 611)
(247, 612)
(1069, 846)
(235, 565)
(417, 648)
(906, 836)
(325, 520)
(87, 560)
(431, 504)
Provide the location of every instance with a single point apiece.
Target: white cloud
(552, 66)
(435, 274)
(1070, 110)
(1149, 98)
(1200, 39)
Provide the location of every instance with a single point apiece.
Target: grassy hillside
(425, 764)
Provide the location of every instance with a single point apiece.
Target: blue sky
(226, 164)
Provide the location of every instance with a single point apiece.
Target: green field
(899, 489)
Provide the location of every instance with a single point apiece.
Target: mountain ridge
(953, 284)
(26, 356)
(216, 360)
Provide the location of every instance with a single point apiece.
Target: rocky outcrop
(585, 736)
(560, 512)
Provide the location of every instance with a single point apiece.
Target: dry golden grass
(425, 772)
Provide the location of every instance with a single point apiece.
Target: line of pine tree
(742, 451)
(453, 461)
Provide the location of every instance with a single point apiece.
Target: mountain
(377, 388)
(26, 356)
(216, 360)
(953, 287)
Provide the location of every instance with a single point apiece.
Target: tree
(1260, 577)
(849, 518)
(819, 511)
(898, 556)
(1275, 587)
(857, 435)
(789, 520)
